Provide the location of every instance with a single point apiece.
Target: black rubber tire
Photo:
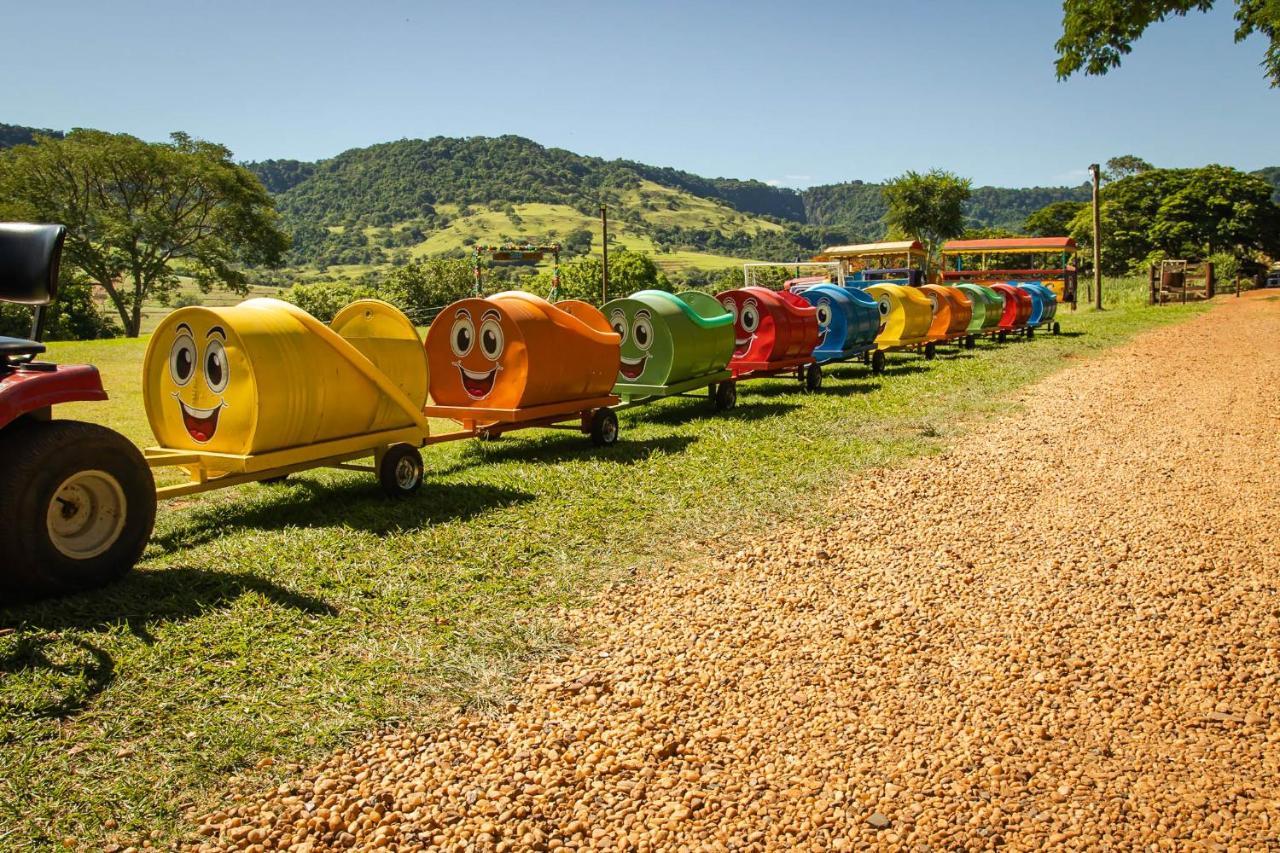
(1002, 337)
(604, 427)
(1031, 333)
(39, 457)
(400, 470)
(726, 396)
(813, 378)
(970, 342)
(1057, 327)
(930, 351)
(877, 361)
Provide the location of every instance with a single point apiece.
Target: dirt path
(988, 647)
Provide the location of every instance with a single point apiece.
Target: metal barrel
(514, 350)
(952, 310)
(848, 319)
(669, 338)
(264, 375)
(1017, 305)
(986, 304)
(770, 325)
(905, 315)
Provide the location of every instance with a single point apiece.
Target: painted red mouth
(630, 369)
(477, 385)
(201, 424)
(741, 345)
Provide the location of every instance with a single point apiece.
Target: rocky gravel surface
(1063, 632)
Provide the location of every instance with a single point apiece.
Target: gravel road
(1065, 631)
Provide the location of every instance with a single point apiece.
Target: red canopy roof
(1011, 244)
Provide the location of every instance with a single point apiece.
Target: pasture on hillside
(269, 624)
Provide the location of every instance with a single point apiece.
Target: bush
(73, 316)
(324, 299)
(423, 286)
(185, 300)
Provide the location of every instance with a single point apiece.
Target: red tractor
(77, 500)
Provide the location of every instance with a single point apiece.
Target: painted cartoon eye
(884, 307)
(618, 321)
(642, 331)
(731, 307)
(491, 340)
(215, 366)
(824, 313)
(462, 336)
(182, 359)
(750, 316)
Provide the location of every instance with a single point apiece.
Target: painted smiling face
(478, 343)
(646, 353)
(200, 387)
(825, 315)
(747, 321)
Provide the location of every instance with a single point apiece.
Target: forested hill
(16, 134)
(395, 181)
(859, 207)
(436, 194)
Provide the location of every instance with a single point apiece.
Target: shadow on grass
(301, 502)
(906, 368)
(686, 410)
(567, 448)
(67, 671)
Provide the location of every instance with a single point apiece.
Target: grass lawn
(277, 622)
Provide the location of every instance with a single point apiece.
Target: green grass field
(278, 622)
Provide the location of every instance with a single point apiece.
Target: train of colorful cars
(260, 390)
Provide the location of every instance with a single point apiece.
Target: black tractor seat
(18, 348)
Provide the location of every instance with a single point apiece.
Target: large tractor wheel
(77, 504)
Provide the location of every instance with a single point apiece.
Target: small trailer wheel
(400, 471)
(877, 361)
(604, 428)
(1057, 327)
(1031, 333)
(1002, 337)
(930, 351)
(970, 342)
(78, 503)
(726, 396)
(813, 378)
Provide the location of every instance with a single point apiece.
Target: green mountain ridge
(411, 197)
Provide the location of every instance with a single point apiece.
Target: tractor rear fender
(30, 388)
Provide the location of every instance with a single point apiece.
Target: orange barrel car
(952, 312)
(514, 359)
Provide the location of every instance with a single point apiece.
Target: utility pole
(1097, 240)
(604, 240)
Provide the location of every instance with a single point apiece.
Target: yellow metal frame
(209, 471)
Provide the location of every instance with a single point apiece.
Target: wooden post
(604, 240)
(1097, 239)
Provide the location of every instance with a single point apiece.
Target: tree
(1124, 166)
(139, 215)
(928, 207)
(324, 299)
(1053, 220)
(72, 316)
(1183, 213)
(421, 286)
(580, 278)
(1097, 33)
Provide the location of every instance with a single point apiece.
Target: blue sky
(797, 93)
